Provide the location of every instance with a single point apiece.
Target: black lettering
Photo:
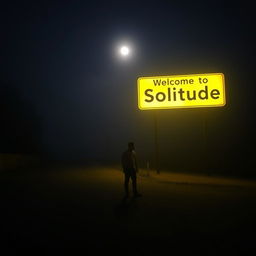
(174, 94)
(163, 82)
(149, 95)
(191, 81)
(169, 94)
(184, 81)
(181, 94)
(205, 92)
(215, 94)
(157, 82)
(162, 98)
(193, 97)
(205, 80)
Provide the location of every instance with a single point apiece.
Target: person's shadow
(125, 207)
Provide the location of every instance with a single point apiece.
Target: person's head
(131, 146)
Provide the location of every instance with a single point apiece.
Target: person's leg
(126, 183)
(134, 183)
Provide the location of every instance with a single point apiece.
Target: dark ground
(80, 210)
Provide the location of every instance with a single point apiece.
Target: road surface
(54, 210)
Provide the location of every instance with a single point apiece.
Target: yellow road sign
(181, 91)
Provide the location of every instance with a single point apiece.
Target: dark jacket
(129, 160)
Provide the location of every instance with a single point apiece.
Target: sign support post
(156, 142)
(206, 143)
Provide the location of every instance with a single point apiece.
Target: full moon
(124, 50)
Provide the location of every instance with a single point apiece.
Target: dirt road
(70, 209)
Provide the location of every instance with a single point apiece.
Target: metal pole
(206, 141)
(156, 142)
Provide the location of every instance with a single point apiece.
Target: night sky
(65, 94)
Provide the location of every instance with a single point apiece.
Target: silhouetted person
(130, 168)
